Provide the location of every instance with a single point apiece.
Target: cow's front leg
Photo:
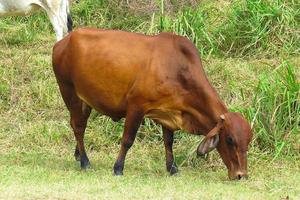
(133, 120)
(168, 136)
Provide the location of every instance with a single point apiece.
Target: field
(251, 54)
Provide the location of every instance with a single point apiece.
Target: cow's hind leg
(79, 117)
(168, 142)
(133, 120)
(80, 113)
(86, 110)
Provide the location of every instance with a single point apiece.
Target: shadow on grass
(47, 161)
(101, 165)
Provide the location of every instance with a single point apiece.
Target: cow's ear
(211, 140)
(207, 145)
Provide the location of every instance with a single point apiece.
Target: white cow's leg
(58, 14)
(63, 15)
(58, 28)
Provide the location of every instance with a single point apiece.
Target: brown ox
(131, 75)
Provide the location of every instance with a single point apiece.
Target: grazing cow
(57, 10)
(131, 75)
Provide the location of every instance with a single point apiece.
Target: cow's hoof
(118, 169)
(118, 173)
(174, 170)
(85, 165)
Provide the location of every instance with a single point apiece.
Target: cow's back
(107, 68)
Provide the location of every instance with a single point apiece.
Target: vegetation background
(251, 53)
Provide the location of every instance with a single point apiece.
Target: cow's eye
(229, 141)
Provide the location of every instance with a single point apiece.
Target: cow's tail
(69, 18)
(70, 23)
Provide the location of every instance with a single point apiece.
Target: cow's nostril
(239, 177)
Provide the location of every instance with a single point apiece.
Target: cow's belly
(12, 8)
(105, 100)
(105, 88)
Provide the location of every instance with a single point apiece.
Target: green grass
(277, 107)
(261, 26)
(241, 29)
(48, 175)
(253, 75)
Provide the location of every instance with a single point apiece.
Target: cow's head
(231, 136)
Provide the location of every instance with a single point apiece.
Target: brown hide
(161, 76)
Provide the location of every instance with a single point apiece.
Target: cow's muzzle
(239, 175)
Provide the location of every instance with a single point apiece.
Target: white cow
(57, 10)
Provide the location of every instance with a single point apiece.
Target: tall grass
(254, 27)
(260, 26)
(251, 28)
(276, 110)
(191, 23)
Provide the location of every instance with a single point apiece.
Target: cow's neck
(203, 110)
